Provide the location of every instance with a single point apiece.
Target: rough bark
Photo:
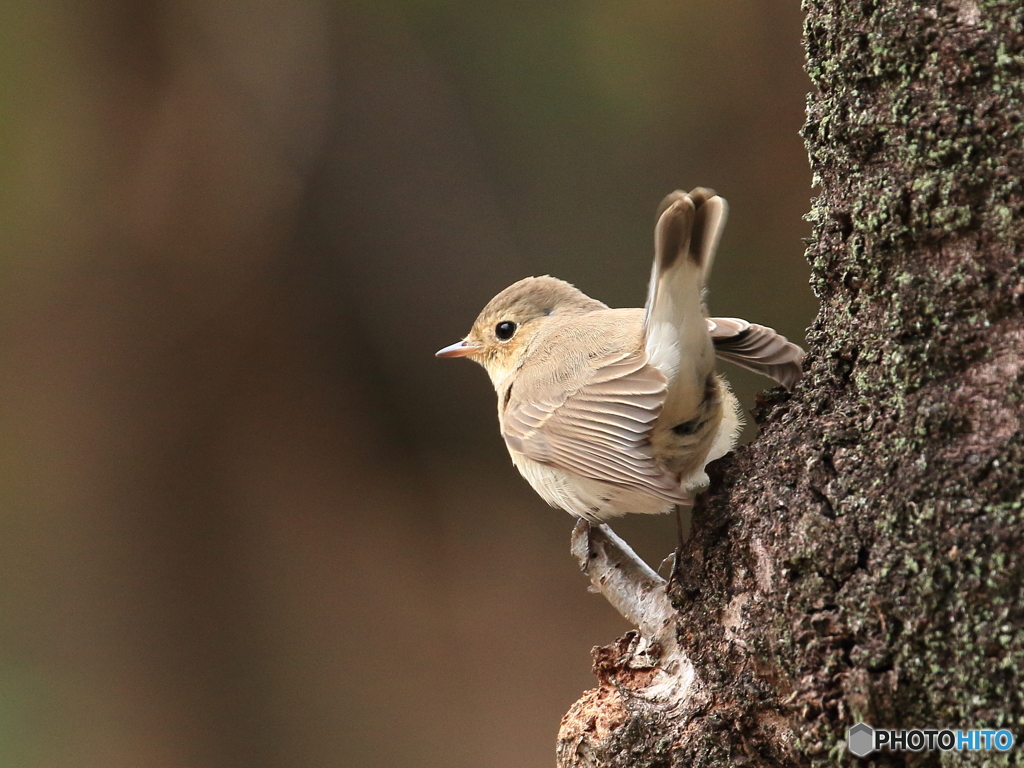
(861, 560)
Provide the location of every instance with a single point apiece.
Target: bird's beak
(458, 349)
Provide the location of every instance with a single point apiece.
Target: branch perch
(629, 584)
(637, 592)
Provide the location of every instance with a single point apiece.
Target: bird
(608, 412)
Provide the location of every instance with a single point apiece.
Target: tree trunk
(861, 560)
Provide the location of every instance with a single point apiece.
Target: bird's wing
(597, 424)
(757, 348)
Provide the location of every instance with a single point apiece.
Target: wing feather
(757, 348)
(597, 426)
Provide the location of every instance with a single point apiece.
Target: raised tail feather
(685, 237)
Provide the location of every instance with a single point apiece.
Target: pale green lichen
(916, 139)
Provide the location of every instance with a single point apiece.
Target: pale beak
(458, 349)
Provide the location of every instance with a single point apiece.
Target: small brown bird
(610, 411)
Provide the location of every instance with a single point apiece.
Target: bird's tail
(676, 334)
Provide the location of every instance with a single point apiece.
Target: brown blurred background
(246, 518)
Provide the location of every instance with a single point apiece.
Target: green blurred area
(246, 518)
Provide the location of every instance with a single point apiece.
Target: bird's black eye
(505, 330)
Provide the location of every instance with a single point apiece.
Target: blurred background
(246, 518)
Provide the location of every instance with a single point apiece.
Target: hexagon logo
(861, 739)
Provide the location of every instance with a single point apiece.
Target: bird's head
(504, 329)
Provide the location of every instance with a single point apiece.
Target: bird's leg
(677, 559)
(675, 576)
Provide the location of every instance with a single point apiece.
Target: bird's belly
(590, 499)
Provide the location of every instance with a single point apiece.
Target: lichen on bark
(916, 140)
